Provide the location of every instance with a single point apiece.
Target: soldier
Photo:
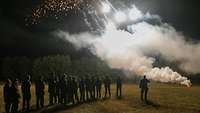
(107, 83)
(74, 89)
(57, 95)
(39, 87)
(98, 87)
(144, 88)
(26, 92)
(92, 88)
(87, 86)
(15, 96)
(63, 84)
(119, 87)
(7, 95)
(70, 90)
(82, 89)
(52, 90)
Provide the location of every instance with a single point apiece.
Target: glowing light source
(120, 16)
(105, 8)
(135, 14)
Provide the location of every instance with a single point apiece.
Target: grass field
(163, 99)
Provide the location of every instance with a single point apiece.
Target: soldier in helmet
(39, 87)
(7, 95)
(144, 88)
(26, 92)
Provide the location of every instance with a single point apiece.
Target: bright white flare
(105, 8)
(135, 14)
(120, 16)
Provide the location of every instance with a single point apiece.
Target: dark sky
(17, 39)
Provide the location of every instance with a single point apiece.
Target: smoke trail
(130, 52)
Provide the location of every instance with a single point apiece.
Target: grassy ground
(163, 99)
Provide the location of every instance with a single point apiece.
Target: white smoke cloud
(130, 52)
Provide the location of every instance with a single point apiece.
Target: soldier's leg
(37, 101)
(120, 91)
(7, 107)
(76, 96)
(100, 92)
(97, 92)
(50, 98)
(105, 91)
(145, 93)
(15, 107)
(23, 102)
(117, 91)
(141, 96)
(28, 102)
(109, 91)
(42, 100)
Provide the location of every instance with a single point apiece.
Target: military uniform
(39, 87)
(107, 83)
(7, 95)
(26, 92)
(98, 87)
(144, 88)
(119, 87)
(15, 96)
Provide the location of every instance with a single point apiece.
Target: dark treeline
(19, 67)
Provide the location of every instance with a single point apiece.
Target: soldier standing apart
(15, 96)
(107, 83)
(7, 95)
(119, 87)
(39, 87)
(26, 92)
(144, 88)
(98, 87)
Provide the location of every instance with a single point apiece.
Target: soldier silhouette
(15, 96)
(74, 90)
(52, 89)
(26, 93)
(119, 87)
(93, 88)
(107, 83)
(7, 95)
(98, 84)
(82, 89)
(87, 85)
(144, 88)
(39, 87)
(63, 84)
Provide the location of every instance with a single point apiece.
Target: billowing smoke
(131, 51)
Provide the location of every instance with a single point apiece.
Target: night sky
(19, 37)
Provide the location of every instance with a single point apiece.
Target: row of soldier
(64, 90)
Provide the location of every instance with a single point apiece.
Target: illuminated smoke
(129, 52)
